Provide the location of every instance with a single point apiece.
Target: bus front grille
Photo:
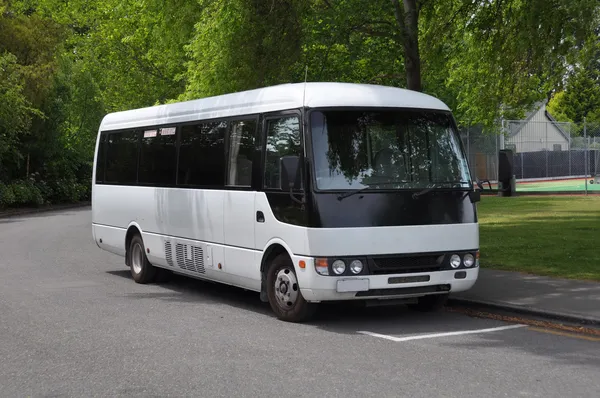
(382, 265)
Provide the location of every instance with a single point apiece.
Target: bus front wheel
(142, 270)
(284, 294)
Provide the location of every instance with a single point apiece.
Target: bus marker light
(302, 264)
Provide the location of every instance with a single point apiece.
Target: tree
(487, 60)
(580, 98)
(243, 44)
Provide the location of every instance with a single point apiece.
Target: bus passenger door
(275, 208)
(238, 204)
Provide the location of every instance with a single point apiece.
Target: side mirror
(475, 196)
(289, 176)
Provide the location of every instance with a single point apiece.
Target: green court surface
(562, 185)
(577, 185)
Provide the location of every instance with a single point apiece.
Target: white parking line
(434, 335)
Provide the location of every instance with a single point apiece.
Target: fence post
(586, 154)
(522, 161)
(547, 149)
(570, 148)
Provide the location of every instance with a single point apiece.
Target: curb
(22, 212)
(554, 315)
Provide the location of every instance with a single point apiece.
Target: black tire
(300, 310)
(142, 270)
(431, 303)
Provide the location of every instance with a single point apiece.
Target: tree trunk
(408, 24)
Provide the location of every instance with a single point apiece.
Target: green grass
(552, 236)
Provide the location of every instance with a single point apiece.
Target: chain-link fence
(592, 140)
(482, 152)
(548, 155)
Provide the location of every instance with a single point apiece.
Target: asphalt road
(74, 324)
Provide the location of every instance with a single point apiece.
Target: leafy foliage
(63, 65)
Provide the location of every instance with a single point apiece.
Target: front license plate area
(352, 285)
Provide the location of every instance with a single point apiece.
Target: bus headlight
(468, 261)
(455, 261)
(338, 267)
(356, 266)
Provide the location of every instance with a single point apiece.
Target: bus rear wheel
(283, 292)
(142, 270)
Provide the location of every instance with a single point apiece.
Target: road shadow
(347, 318)
(338, 317)
(9, 220)
(185, 289)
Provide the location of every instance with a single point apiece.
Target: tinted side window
(202, 155)
(158, 157)
(283, 139)
(100, 161)
(121, 158)
(241, 152)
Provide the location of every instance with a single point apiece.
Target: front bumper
(315, 287)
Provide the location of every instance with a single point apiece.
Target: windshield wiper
(416, 195)
(347, 194)
(423, 192)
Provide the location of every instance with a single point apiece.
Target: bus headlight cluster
(339, 267)
(467, 260)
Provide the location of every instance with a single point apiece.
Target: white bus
(304, 193)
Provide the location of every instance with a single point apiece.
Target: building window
(557, 147)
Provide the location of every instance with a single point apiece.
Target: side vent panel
(169, 254)
(187, 257)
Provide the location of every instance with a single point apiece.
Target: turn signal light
(322, 266)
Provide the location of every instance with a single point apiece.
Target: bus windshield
(387, 149)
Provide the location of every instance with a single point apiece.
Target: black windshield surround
(388, 181)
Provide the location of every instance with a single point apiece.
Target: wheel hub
(286, 288)
(136, 258)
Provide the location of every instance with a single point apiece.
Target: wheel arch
(132, 230)
(273, 248)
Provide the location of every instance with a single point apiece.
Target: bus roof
(271, 99)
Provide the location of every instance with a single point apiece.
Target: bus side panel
(165, 212)
(194, 214)
(110, 238)
(239, 225)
